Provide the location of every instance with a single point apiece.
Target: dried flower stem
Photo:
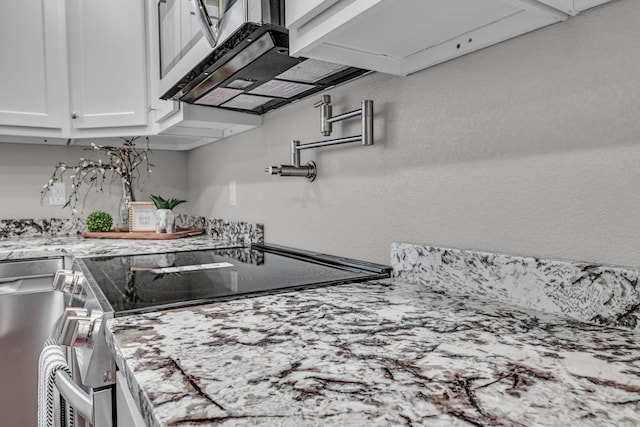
(122, 162)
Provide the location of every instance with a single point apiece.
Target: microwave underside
(252, 71)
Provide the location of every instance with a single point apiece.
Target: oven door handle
(94, 407)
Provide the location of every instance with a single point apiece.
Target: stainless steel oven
(100, 288)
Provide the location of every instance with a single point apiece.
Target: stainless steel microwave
(235, 55)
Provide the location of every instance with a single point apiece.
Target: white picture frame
(142, 217)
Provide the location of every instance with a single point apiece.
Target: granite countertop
(382, 353)
(46, 246)
(36, 238)
(404, 351)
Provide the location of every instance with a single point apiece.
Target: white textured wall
(529, 147)
(24, 169)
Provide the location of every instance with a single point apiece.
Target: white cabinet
(81, 71)
(298, 12)
(71, 69)
(192, 125)
(403, 37)
(107, 63)
(573, 7)
(39, 140)
(32, 79)
(127, 411)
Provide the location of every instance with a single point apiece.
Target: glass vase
(123, 210)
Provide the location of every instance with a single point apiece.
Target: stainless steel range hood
(249, 68)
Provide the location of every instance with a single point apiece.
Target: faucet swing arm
(309, 170)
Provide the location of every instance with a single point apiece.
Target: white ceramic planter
(165, 221)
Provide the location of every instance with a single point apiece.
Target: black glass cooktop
(141, 283)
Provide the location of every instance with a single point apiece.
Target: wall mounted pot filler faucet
(326, 120)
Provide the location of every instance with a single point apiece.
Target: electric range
(100, 288)
(141, 283)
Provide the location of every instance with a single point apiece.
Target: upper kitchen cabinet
(403, 37)
(72, 69)
(573, 7)
(107, 64)
(33, 80)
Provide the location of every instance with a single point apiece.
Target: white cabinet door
(403, 37)
(107, 63)
(573, 7)
(298, 12)
(32, 82)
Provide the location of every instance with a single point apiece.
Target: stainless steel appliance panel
(179, 31)
(26, 319)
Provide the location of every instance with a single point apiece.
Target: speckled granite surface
(413, 350)
(36, 247)
(43, 238)
(240, 231)
(376, 354)
(11, 228)
(587, 292)
(222, 229)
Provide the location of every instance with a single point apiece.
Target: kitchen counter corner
(375, 353)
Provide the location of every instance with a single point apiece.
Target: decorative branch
(121, 162)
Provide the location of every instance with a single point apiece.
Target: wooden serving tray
(152, 235)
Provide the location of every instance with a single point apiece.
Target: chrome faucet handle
(325, 100)
(325, 115)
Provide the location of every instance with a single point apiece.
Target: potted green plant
(165, 219)
(99, 221)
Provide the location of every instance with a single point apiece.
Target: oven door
(90, 408)
(87, 381)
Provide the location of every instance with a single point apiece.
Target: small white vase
(165, 221)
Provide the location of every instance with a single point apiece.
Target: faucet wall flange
(312, 170)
